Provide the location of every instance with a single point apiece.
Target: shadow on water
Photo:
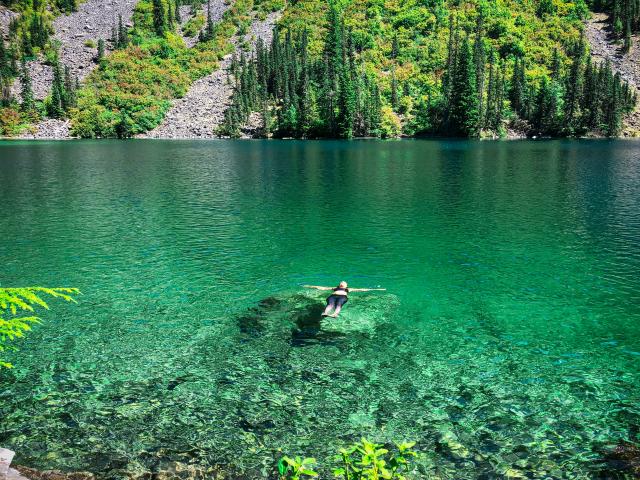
(308, 329)
(305, 313)
(253, 323)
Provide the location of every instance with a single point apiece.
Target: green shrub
(363, 460)
(11, 121)
(194, 25)
(132, 90)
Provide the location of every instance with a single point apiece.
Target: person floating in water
(339, 297)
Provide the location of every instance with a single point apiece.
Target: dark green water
(508, 343)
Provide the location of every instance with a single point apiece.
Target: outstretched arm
(317, 287)
(367, 289)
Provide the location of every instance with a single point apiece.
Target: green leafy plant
(363, 460)
(16, 300)
(371, 461)
(296, 468)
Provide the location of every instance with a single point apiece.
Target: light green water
(508, 341)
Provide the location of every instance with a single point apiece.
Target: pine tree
(4, 60)
(28, 102)
(491, 92)
(573, 89)
(58, 94)
(546, 108)
(479, 58)
(208, 32)
(447, 78)
(176, 8)
(266, 119)
(100, 55)
(114, 36)
(500, 97)
(25, 42)
(70, 97)
(159, 18)
(518, 87)
(464, 99)
(394, 90)
(123, 36)
(613, 110)
(304, 93)
(626, 46)
(395, 48)
(590, 100)
(555, 66)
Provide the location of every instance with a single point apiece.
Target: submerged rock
(622, 461)
(302, 311)
(33, 474)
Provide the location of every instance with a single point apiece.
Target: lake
(507, 342)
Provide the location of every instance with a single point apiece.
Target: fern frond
(13, 300)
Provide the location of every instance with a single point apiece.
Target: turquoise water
(507, 344)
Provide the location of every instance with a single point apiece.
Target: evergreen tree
(546, 115)
(464, 99)
(100, 55)
(500, 97)
(70, 97)
(447, 78)
(159, 18)
(518, 87)
(58, 94)
(590, 100)
(28, 102)
(479, 58)
(395, 48)
(613, 111)
(176, 9)
(4, 57)
(394, 90)
(491, 93)
(123, 35)
(208, 32)
(555, 66)
(573, 89)
(266, 119)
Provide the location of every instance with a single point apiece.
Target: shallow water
(508, 342)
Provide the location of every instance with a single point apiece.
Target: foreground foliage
(13, 301)
(360, 461)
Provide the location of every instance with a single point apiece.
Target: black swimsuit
(340, 300)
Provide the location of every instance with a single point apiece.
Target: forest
(335, 96)
(375, 68)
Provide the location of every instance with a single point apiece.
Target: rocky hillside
(342, 69)
(605, 47)
(201, 110)
(78, 34)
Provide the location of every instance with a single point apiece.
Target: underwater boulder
(303, 311)
(621, 462)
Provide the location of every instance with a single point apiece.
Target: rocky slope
(628, 65)
(93, 21)
(6, 16)
(198, 113)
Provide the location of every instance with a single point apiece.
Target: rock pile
(50, 129)
(201, 110)
(6, 16)
(78, 34)
(628, 65)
